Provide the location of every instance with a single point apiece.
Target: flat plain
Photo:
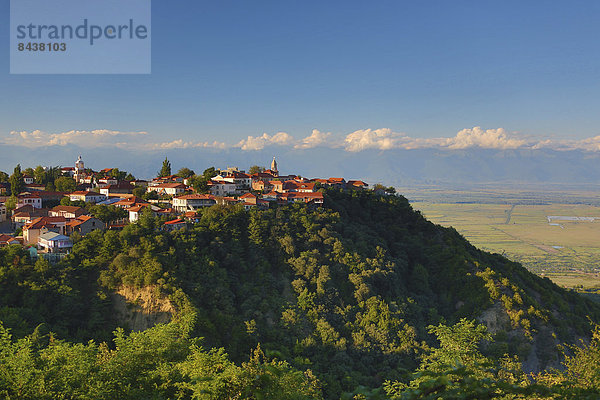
(563, 248)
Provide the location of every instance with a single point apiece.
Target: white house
(242, 181)
(136, 211)
(2, 212)
(69, 212)
(222, 188)
(54, 242)
(88, 197)
(192, 202)
(29, 199)
(172, 189)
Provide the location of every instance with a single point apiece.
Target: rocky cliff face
(140, 309)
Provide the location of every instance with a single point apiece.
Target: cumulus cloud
(487, 139)
(316, 139)
(260, 142)
(382, 139)
(386, 139)
(94, 138)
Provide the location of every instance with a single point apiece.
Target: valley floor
(552, 233)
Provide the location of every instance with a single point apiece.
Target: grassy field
(567, 251)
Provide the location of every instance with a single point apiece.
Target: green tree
(16, 181)
(66, 201)
(117, 174)
(3, 177)
(200, 182)
(11, 202)
(39, 174)
(28, 172)
(108, 213)
(255, 169)
(53, 173)
(185, 172)
(139, 191)
(166, 168)
(65, 184)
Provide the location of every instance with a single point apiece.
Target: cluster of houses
(49, 230)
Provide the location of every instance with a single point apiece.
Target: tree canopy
(165, 169)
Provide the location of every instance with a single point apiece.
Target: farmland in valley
(564, 248)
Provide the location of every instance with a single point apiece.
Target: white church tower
(274, 167)
(79, 170)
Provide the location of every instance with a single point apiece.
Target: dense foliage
(360, 293)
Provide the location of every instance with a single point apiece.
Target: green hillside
(351, 297)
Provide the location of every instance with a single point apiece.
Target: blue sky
(227, 70)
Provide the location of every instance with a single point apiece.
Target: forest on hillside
(362, 298)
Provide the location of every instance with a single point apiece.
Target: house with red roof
(169, 188)
(298, 186)
(174, 225)
(222, 188)
(69, 212)
(249, 198)
(129, 202)
(316, 197)
(7, 240)
(357, 185)
(122, 187)
(277, 186)
(40, 225)
(84, 224)
(25, 214)
(88, 197)
(28, 179)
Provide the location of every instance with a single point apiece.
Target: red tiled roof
(195, 197)
(119, 185)
(170, 186)
(84, 193)
(357, 183)
(41, 222)
(79, 220)
(137, 208)
(69, 209)
(7, 239)
(175, 221)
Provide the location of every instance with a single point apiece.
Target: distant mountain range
(390, 167)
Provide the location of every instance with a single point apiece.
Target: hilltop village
(43, 208)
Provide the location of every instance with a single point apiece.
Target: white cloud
(316, 139)
(95, 138)
(260, 142)
(589, 144)
(363, 139)
(487, 139)
(386, 139)
(382, 139)
(181, 144)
